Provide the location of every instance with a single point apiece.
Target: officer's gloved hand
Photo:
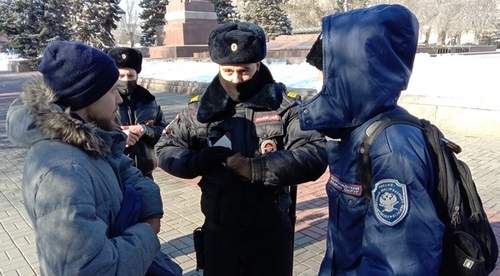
(212, 159)
(240, 165)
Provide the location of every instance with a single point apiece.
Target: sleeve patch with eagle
(390, 201)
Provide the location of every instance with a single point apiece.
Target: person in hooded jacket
(75, 175)
(366, 60)
(243, 137)
(139, 116)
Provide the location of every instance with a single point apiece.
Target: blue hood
(368, 57)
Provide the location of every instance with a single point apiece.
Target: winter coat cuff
(258, 169)
(193, 165)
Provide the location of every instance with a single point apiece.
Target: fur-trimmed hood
(34, 117)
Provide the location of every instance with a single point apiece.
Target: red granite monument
(188, 25)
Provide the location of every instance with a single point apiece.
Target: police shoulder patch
(390, 201)
(194, 99)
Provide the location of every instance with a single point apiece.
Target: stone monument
(188, 25)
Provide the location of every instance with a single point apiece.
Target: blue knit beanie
(78, 74)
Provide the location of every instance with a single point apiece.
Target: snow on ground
(449, 76)
(8, 55)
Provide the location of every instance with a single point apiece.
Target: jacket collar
(140, 94)
(215, 104)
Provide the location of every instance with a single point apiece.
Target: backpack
(469, 244)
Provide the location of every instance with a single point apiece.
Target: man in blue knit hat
(76, 176)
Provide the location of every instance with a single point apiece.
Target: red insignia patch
(267, 118)
(346, 188)
(267, 146)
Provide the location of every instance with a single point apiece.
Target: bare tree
(347, 5)
(452, 18)
(307, 18)
(128, 27)
(310, 17)
(482, 18)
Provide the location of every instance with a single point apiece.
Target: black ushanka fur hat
(237, 43)
(315, 55)
(126, 58)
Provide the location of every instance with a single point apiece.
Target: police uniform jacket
(141, 108)
(265, 128)
(367, 64)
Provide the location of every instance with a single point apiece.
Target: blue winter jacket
(368, 57)
(73, 181)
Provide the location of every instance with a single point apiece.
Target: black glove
(212, 159)
(240, 165)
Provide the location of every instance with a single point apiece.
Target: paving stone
(9, 267)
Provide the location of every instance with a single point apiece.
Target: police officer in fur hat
(242, 137)
(139, 116)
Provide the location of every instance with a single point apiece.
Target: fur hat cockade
(78, 74)
(126, 58)
(237, 43)
(315, 55)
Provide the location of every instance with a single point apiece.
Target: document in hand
(224, 141)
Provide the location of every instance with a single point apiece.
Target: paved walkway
(181, 199)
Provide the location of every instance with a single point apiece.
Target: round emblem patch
(234, 47)
(390, 201)
(124, 56)
(267, 146)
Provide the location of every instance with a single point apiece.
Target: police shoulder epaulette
(292, 95)
(194, 99)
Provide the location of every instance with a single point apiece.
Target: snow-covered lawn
(447, 76)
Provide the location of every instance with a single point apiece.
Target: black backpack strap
(372, 131)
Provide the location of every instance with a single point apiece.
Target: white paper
(224, 141)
